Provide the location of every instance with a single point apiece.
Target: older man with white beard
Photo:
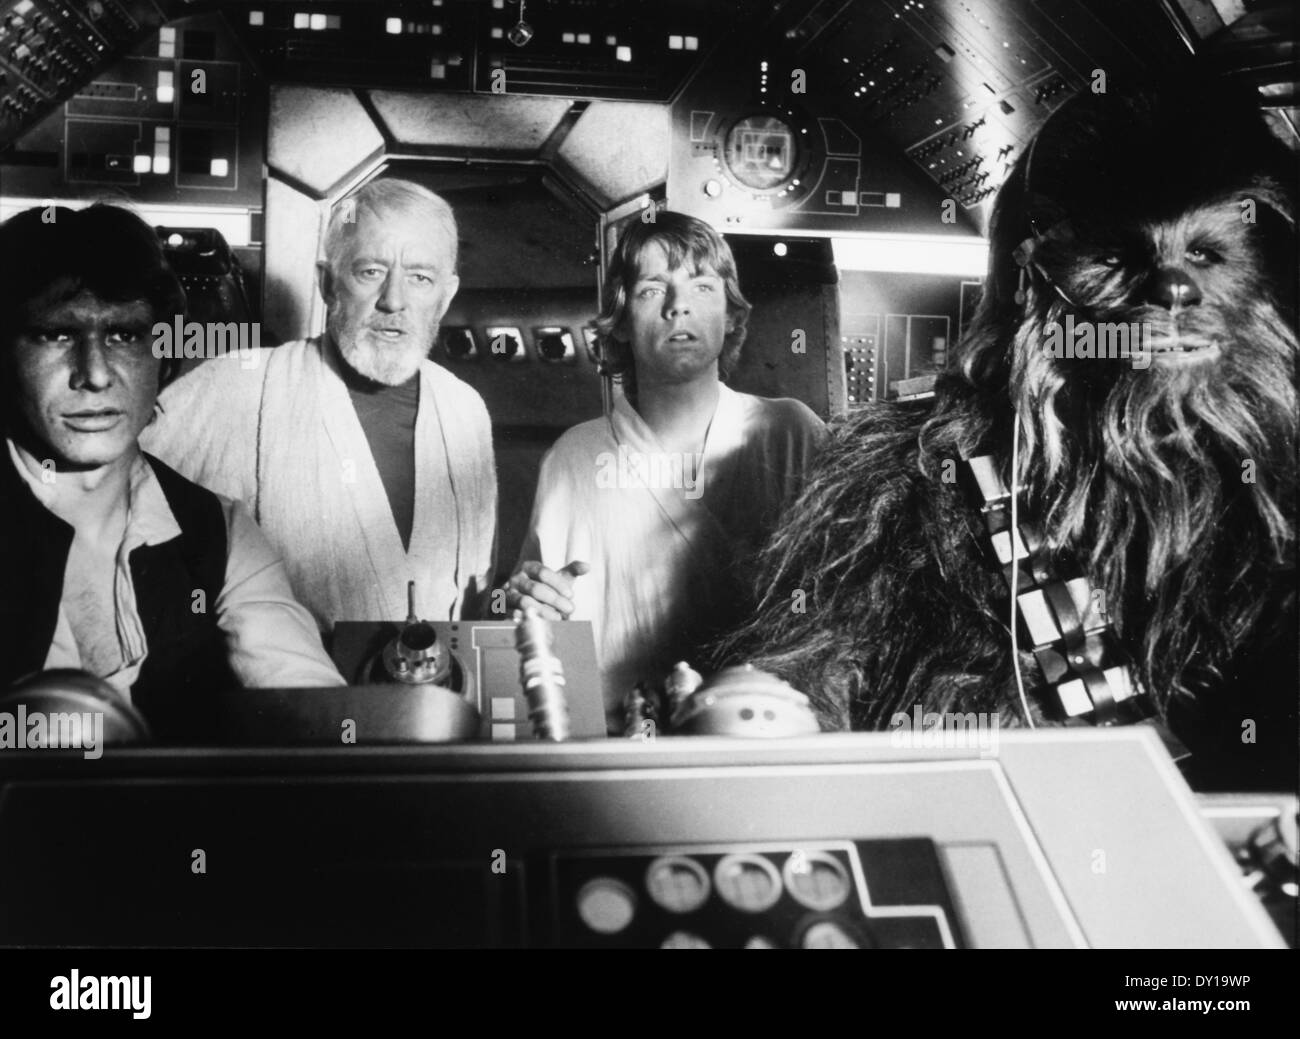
(366, 464)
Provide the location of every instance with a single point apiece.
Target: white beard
(388, 366)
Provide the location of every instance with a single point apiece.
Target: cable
(1015, 564)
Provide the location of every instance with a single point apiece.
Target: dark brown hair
(50, 254)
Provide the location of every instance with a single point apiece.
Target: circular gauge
(606, 905)
(760, 151)
(677, 883)
(827, 935)
(816, 879)
(684, 940)
(747, 882)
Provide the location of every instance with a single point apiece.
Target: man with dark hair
(660, 503)
(113, 563)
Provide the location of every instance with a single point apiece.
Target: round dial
(748, 882)
(677, 883)
(816, 879)
(760, 151)
(606, 905)
(828, 935)
(684, 940)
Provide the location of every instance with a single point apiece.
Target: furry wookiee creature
(1170, 486)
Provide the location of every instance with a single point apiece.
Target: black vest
(187, 662)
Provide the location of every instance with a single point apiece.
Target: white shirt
(271, 640)
(669, 550)
(277, 430)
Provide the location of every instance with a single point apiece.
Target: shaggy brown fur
(1138, 475)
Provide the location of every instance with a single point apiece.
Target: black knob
(505, 345)
(551, 346)
(458, 342)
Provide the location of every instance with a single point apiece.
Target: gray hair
(388, 196)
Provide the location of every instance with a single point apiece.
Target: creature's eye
(1202, 256)
(51, 336)
(1112, 253)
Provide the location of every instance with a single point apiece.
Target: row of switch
(551, 343)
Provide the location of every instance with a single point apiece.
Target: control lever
(416, 657)
(542, 676)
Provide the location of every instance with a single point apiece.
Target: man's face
(86, 379)
(387, 292)
(676, 320)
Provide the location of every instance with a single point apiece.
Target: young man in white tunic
(366, 464)
(645, 520)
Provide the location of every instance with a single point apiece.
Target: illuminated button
(142, 164)
(606, 905)
(827, 935)
(684, 940)
(713, 188)
(780, 249)
(816, 879)
(392, 26)
(503, 708)
(677, 883)
(623, 54)
(553, 344)
(749, 883)
(219, 168)
(505, 344)
(759, 942)
(175, 240)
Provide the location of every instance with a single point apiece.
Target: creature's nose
(1172, 287)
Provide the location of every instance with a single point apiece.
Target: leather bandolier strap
(1063, 618)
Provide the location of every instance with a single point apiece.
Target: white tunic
(669, 549)
(278, 431)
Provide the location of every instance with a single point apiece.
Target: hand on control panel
(549, 592)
